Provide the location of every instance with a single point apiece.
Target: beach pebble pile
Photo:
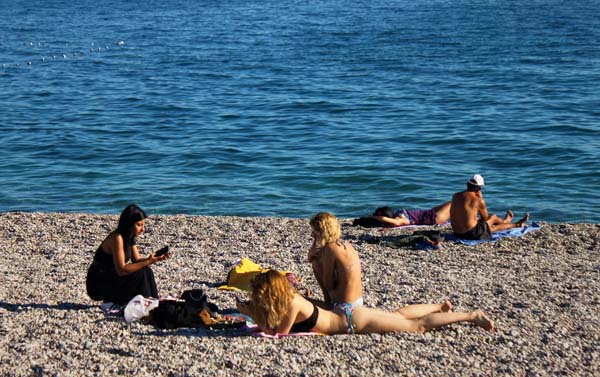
(541, 289)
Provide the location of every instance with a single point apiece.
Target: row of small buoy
(93, 49)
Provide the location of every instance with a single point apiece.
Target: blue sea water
(286, 108)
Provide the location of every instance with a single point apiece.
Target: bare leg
(523, 220)
(370, 321)
(483, 321)
(421, 310)
(442, 213)
(437, 320)
(446, 307)
(493, 219)
(498, 227)
(509, 216)
(495, 227)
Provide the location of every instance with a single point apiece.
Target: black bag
(195, 299)
(194, 311)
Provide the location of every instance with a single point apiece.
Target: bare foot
(446, 307)
(522, 222)
(509, 216)
(483, 321)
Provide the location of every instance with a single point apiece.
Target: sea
(288, 108)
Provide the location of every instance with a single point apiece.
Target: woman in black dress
(118, 273)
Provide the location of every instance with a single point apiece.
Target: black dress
(104, 284)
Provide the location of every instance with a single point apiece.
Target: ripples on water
(289, 108)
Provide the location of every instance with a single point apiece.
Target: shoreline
(541, 289)
(342, 218)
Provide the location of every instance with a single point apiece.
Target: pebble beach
(542, 290)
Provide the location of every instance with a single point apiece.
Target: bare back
(328, 322)
(343, 276)
(464, 211)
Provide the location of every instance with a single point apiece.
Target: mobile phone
(162, 251)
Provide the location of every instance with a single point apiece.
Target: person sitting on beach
(436, 215)
(335, 263)
(469, 216)
(277, 308)
(118, 273)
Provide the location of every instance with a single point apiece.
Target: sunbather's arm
(482, 209)
(395, 221)
(313, 252)
(115, 244)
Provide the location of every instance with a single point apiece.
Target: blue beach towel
(514, 232)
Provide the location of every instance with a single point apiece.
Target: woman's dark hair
(384, 211)
(130, 215)
(472, 187)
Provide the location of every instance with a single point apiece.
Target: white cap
(476, 180)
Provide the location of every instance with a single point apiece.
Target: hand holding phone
(162, 251)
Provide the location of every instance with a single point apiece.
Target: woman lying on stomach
(277, 309)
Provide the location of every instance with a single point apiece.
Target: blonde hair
(327, 226)
(271, 296)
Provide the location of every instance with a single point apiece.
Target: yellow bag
(241, 275)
